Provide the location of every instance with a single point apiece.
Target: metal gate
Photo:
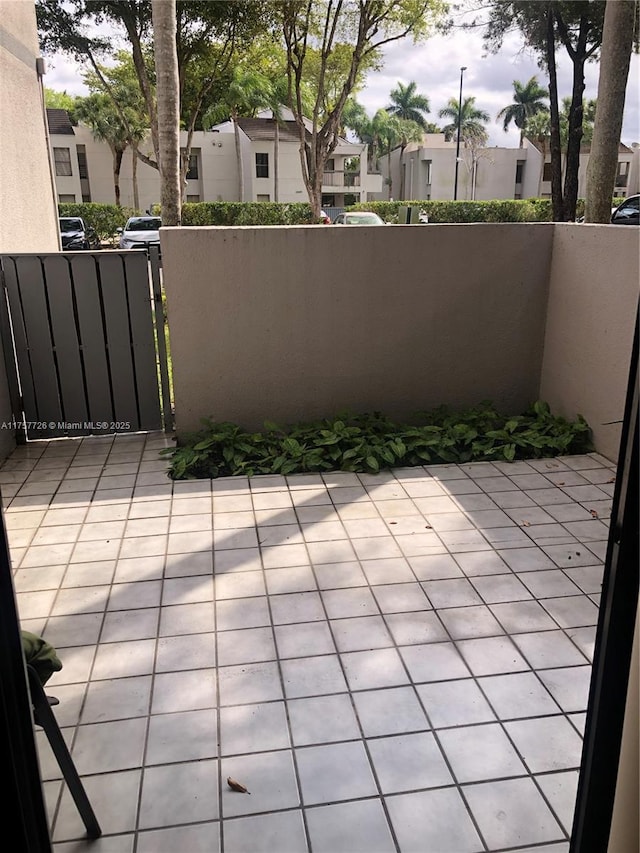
(82, 351)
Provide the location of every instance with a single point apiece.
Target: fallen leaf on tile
(393, 522)
(526, 523)
(594, 513)
(237, 786)
(560, 484)
(612, 480)
(428, 527)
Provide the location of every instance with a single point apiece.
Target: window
(263, 197)
(426, 164)
(83, 169)
(519, 171)
(62, 159)
(191, 199)
(329, 201)
(330, 165)
(86, 197)
(192, 171)
(66, 198)
(546, 172)
(622, 173)
(262, 165)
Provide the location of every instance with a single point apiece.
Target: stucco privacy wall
(287, 324)
(593, 299)
(29, 218)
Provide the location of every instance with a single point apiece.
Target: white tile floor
(389, 663)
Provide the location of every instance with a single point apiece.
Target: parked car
(627, 213)
(140, 232)
(358, 217)
(76, 235)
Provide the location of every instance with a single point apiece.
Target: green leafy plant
(498, 210)
(246, 213)
(104, 218)
(372, 442)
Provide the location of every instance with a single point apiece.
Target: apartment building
(427, 170)
(219, 169)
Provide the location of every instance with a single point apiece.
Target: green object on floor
(40, 655)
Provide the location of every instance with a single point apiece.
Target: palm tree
(388, 130)
(248, 91)
(355, 118)
(471, 119)
(275, 96)
(538, 129)
(97, 111)
(527, 101)
(409, 105)
(588, 119)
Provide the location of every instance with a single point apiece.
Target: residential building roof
(59, 122)
(263, 129)
(585, 148)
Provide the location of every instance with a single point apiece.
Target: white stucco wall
(25, 176)
(593, 300)
(261, 330)
(29, 221)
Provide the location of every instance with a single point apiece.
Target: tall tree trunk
(574, 141)
(236, 134)
(134, 175)
(117, 163)
(167, 89)
(276, 157)
(403, 145)
(544, 160)
(615, 55)
(554, 144)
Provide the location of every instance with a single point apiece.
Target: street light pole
(455, 185)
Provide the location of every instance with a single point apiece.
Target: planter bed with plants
(372, 442)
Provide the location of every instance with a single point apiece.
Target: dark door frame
(614, 643)
(25, 819)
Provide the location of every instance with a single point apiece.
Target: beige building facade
(84, 166)
(489, 173)
(32, 224)
(29, 220)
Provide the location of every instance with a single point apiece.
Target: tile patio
(396, 662)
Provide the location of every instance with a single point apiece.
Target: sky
(435, 67)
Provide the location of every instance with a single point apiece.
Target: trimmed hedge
(246, 213)
(498, 210)
(104, 218)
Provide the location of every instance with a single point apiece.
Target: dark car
(77, 235)
(627, 213)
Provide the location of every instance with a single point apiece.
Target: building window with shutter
(62, 160)
(546, 172)
(519, 171)
(262, 165)
(83, 168)
(622, 173)
(192, 171)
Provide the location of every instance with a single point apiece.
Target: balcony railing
(341, 179)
